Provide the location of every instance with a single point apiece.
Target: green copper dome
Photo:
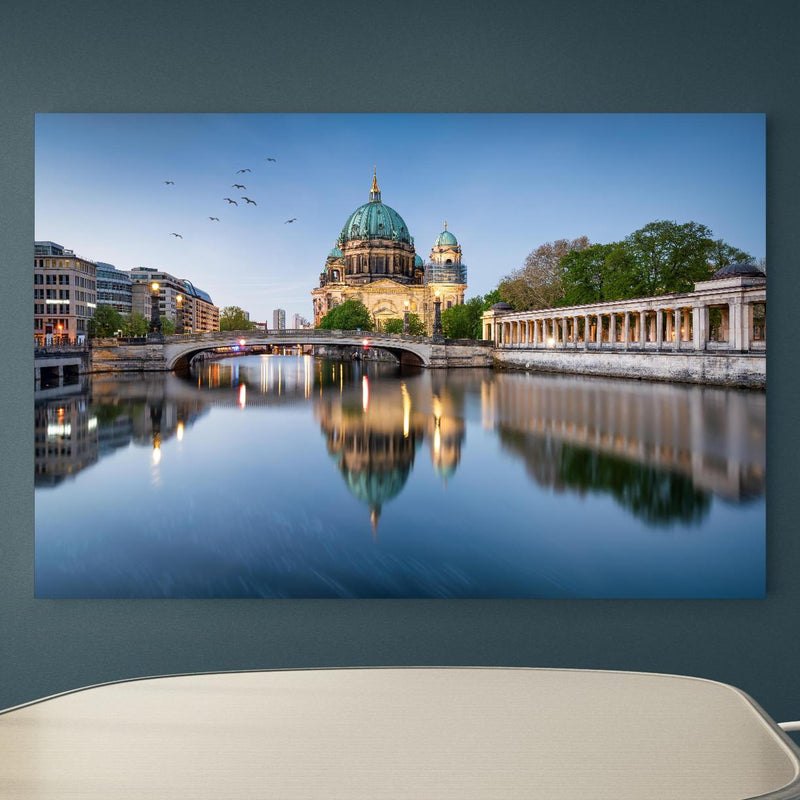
(375, 220)
(418, 262)
(446, 239)
(335, 253)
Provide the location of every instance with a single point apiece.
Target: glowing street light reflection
(179, 432)
(242, 396)
(365, 393)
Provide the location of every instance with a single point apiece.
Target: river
(294, 477)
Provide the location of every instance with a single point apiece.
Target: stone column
(586, 332)
(736, 325)
(563, 331)
(659, 328)
(678, 337)
(612, 330)
(700, 327)
(626, 329)
(642, 329)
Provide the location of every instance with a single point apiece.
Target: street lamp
(405, 316)
(437, 316)
(179, 323)
(155, 317)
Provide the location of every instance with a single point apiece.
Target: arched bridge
(424, 351)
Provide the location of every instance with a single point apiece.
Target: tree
(106, 321)
(539, 282)
(349, 316)
(135, 324)
(664, 257)
(723, 254)
(416, 327)
(589, 275)
(463, 321)
(167, 325)
(233, 318)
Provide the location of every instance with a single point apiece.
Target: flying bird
(272, 159)
(170, 183)
(216, 219)
(243, 170)
(293, 219)
(230, 201)
(239, 186)
(249, 200)
(176, 234)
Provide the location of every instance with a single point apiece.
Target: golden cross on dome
(445, 224)
(375, 179)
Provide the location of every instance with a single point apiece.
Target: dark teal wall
(547, 55)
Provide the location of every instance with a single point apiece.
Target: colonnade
(692, 321)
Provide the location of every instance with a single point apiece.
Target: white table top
(405, 734)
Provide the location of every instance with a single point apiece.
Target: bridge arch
(179, 349)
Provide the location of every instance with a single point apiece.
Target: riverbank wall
(744, 370)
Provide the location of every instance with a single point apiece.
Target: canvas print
(400, 356)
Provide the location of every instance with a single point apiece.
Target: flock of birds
(230, 200)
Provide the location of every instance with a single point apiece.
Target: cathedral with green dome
(374, 260)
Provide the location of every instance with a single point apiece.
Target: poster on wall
(400, 356)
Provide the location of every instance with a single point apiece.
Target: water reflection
(659, 450)
(592, 434)
(74, 432)
(294, 477)
(373, 430)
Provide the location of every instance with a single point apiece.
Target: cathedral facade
(374, 260)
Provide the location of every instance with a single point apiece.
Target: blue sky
(505, 183)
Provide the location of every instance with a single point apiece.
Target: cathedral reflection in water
(660, 451)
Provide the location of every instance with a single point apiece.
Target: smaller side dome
(335, 253)
(446, 239)
(740, 268)
(418, 261)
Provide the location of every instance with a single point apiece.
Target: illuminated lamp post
(60, 333)
(405, 316)
(437, 316)
(179, 321)
(155, 317)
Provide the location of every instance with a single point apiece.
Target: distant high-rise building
(64, 293)
(279, 319)
(299, 321)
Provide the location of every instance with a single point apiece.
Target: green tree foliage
(106, 321)
(167, 325)
(416, 327)
(233, 318)
(539, 282)
(463, 321)
(723, 254)
(349, 316)
(589, 274)
(135, 324)
(664, 257)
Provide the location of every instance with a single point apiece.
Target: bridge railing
(306, 334)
